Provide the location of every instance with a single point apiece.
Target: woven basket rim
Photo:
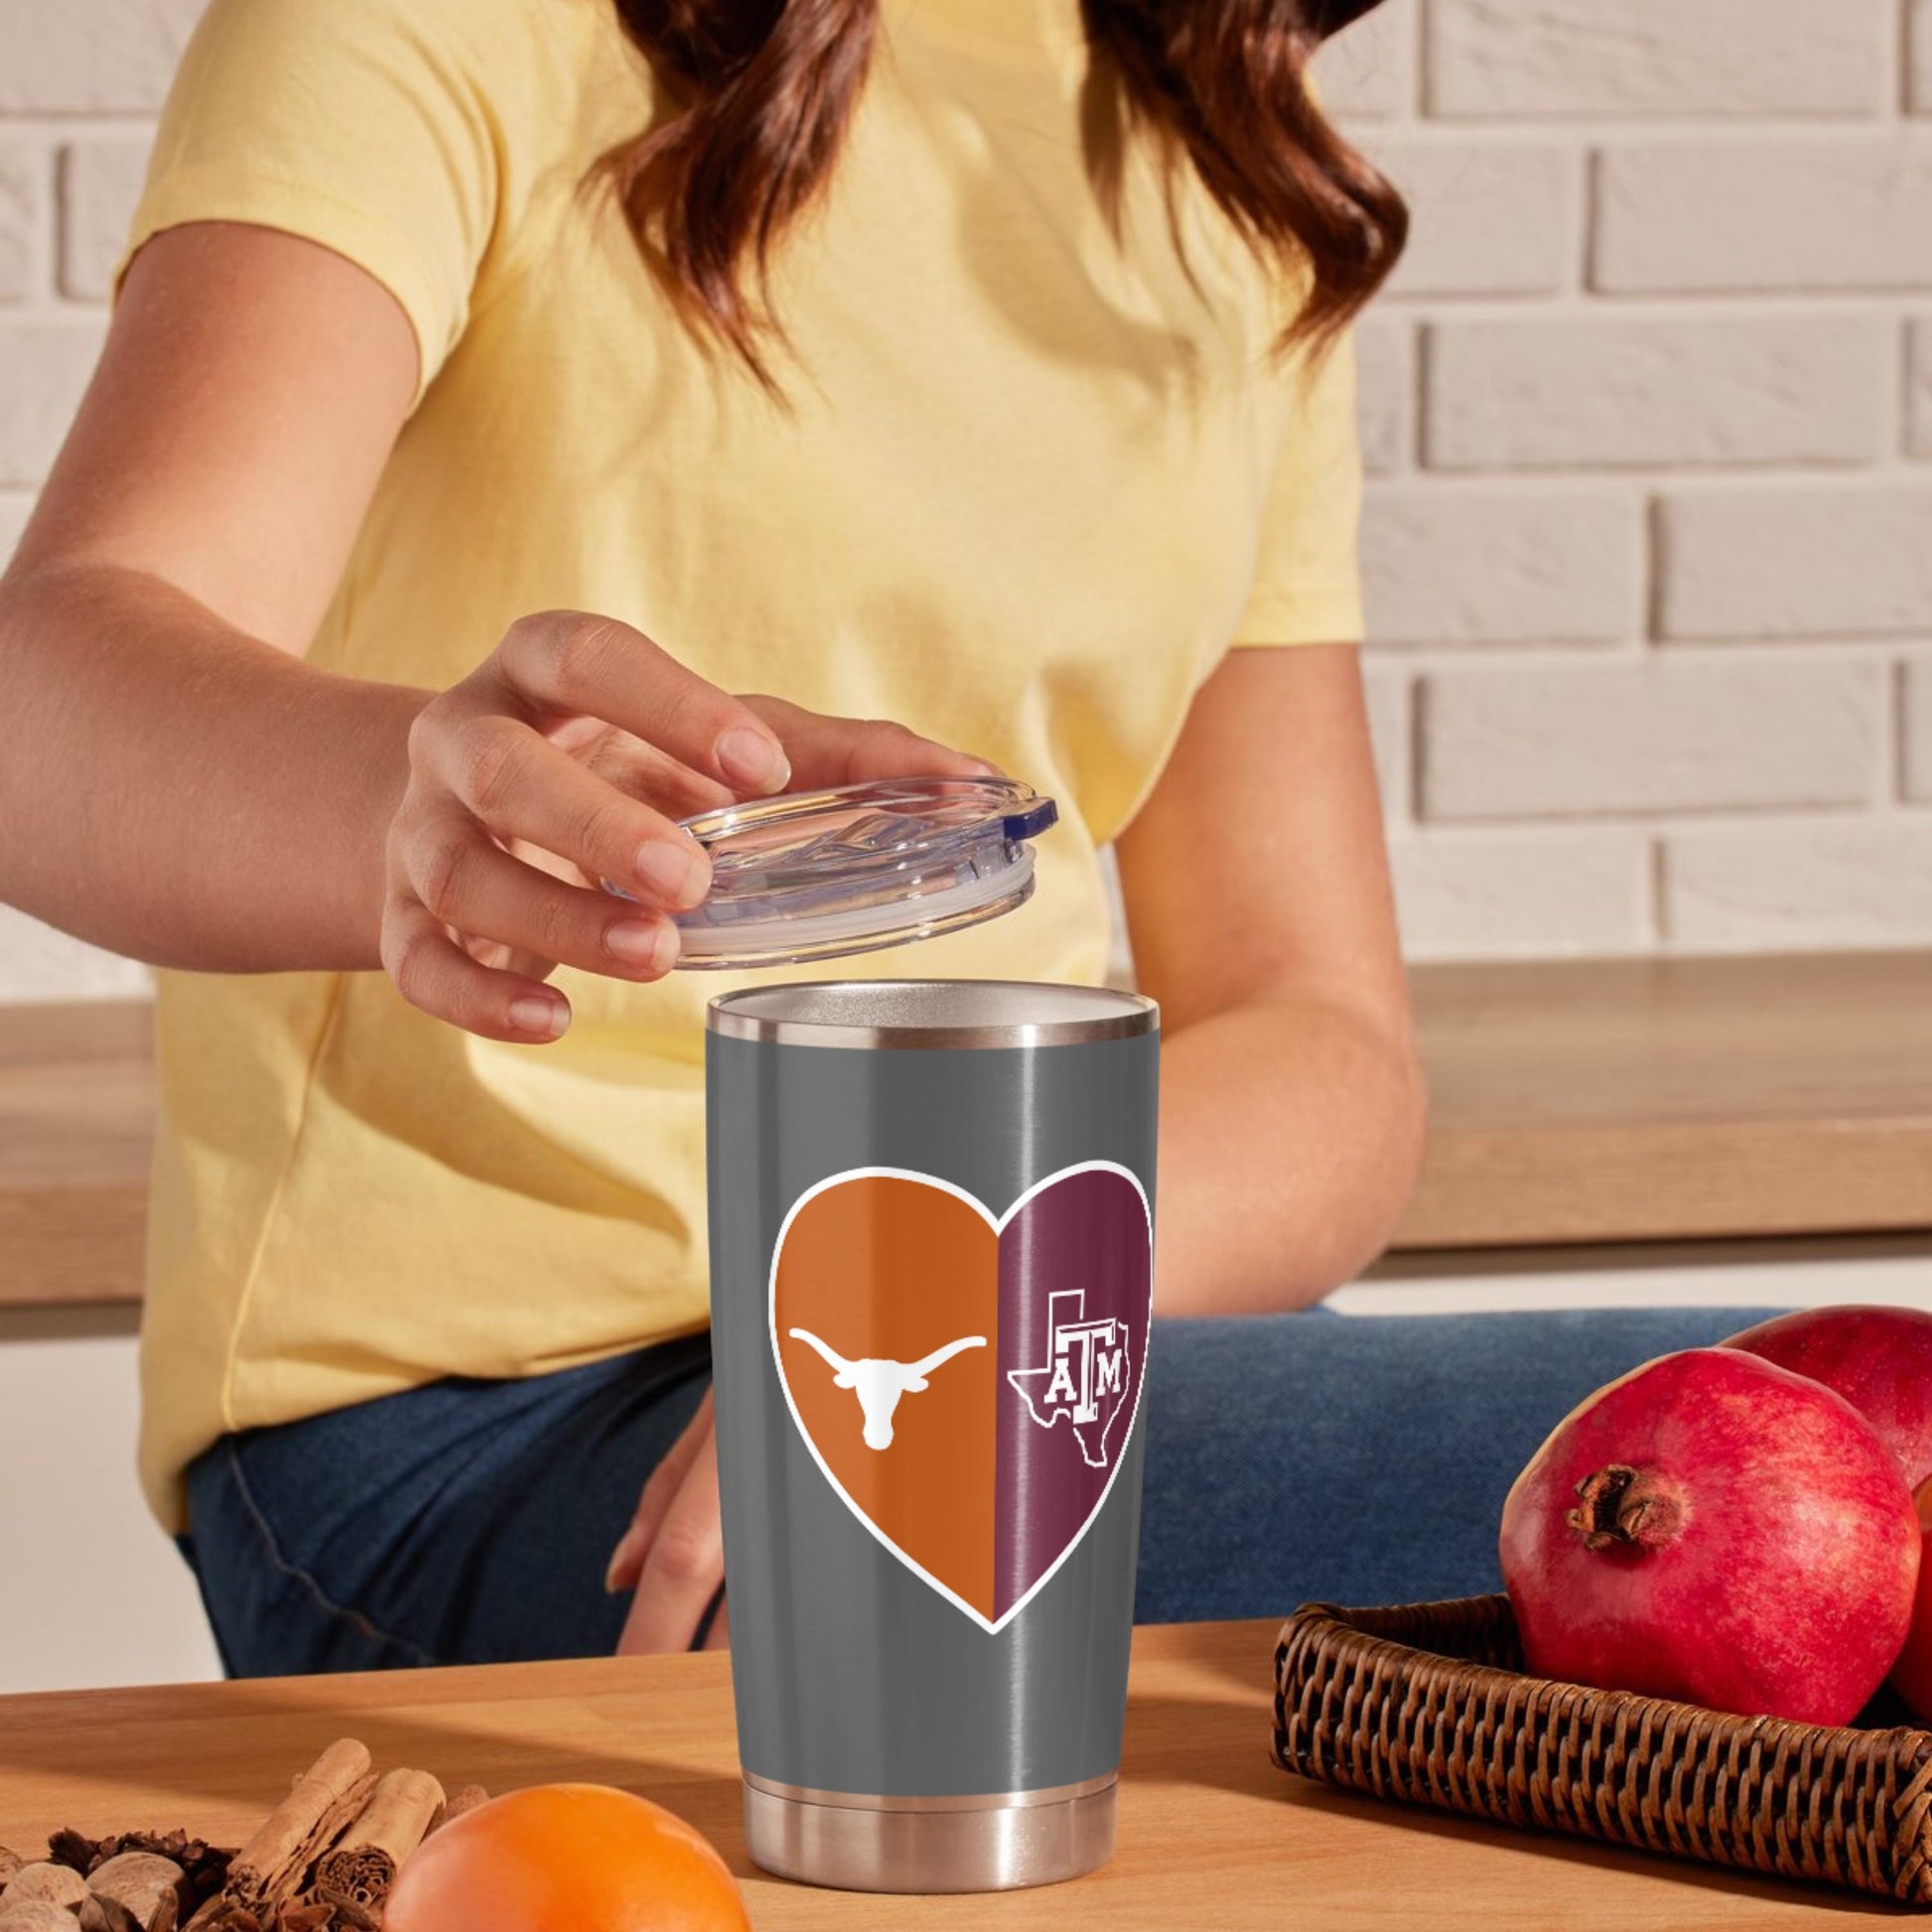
(1636, 1703)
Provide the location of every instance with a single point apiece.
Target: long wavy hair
(760, 94)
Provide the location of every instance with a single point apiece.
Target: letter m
(1110, 1372)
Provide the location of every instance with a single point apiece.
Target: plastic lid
(814, 875)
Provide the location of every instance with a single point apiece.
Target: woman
(496, 387)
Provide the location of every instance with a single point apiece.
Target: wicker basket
(1429, 1704)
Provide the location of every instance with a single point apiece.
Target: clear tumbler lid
(813, 875)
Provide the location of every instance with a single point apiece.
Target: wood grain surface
(1572, 1101)
(1212, 1836)
(1637, 1100)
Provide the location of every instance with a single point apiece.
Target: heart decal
(967, 1383)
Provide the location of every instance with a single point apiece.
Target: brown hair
(760, 92)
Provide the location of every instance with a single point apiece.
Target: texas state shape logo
(967, 1382)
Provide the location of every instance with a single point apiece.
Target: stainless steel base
(911, 1845)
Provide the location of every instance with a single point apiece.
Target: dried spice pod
(35, 1915)
(47, 1883)
(143, 1886)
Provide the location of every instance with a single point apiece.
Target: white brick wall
(1915, 734)
(1802, 560)
(1712, 736)
(1847, 212)
(1649, 537)
(1647, 415)
(1765, 887)
(101, 182)
(1716, 58)
(1587, 391)
(1919, 433)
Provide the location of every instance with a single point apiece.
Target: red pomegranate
(1878, 1359)
(1715, 1529)
(1911, 1675)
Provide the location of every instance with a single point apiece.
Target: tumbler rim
(931, 1013)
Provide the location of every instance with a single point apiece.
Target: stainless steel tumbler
(931, 1241)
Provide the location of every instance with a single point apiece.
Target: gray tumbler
(931, 1237)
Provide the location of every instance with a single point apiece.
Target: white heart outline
(994, 1627)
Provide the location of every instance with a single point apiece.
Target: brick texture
(1501, 566)
(1718, 58)
(43, 367)
(1918, 417)
(1649, 738)
(1385, 357)
(21, 198)
(1610, 391)
(101, 182)
(1522, 895)
(1798, 561)
(1853, 214)
(90, 57)
(1387, 693)
(1778, 886)
(1369, 72)
(14, 509)
(1916, 730)
(1485, 219)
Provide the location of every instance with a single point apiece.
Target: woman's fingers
(684, 1565)
(718, 1636)
(520, 785)
(433, 972)
(828, 750)
(465, 880)
(628, 1559)
(567, 662)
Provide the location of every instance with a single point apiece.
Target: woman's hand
(565, 759)
(673, 1553)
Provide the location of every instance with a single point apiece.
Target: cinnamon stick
(270, 1868)
(364, 1865)
(464, 1800)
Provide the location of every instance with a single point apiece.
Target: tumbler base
(929, 1844)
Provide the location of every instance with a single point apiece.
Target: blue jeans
(1349, 1458)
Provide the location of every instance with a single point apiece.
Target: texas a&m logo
(1084, 1378)
(967, 1382)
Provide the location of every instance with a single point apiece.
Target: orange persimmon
(566, 1858)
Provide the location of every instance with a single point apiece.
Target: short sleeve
(1308, 587)
(380, 129)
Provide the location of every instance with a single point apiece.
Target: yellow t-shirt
(1035, 477)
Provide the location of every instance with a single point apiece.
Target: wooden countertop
(1587, 1101)
(1211, 1834)
(1669, 1099)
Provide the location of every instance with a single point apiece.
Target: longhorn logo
(880, 1384)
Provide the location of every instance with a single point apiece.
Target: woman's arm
(175, 782)
(1258, 903)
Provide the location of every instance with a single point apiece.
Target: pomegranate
(1911, 1675)
(1878, 1359)
(1715, 1529)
